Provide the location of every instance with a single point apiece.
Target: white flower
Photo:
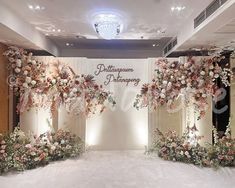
(17, 70)
(181, 153)
(65, 95)
(163, 95)
(33, 82)
(25, 72)
(56, 143)
(33, 62)
(65, 81)
(18, 63)
(211, 67)
(28, 79)
(183, 82)
(211, 74)
(11, 60)
(202, 73)
(163, 91)
(62, 141)
(74, 90)
(164, 82)
(25, 85)
(186, 153)
(53, 147)
(53, 81)
(28, 145)
(204, 95)
(216, 75)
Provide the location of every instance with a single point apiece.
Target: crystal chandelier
(108, 25)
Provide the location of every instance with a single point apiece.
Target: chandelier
(107, 25)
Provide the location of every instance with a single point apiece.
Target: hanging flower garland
(193, 81)
(51, 85)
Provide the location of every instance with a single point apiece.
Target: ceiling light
(155, 45)
(177, 8)
(36, 7)
(58, 30)
(67, 44)
(108, 25)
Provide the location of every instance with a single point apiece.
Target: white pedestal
(36, 121)
(74, 123)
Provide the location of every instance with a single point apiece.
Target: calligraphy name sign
(114, 74)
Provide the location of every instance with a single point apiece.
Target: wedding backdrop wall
(122, 126)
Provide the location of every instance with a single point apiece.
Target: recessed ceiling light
(58, 30)
(69, 44)
(155, 45)
(177, 8)
(36, 7)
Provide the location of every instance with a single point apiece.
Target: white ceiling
(141, 17)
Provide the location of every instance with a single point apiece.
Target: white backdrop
(122, 127)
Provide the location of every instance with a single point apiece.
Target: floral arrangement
(172, 147)
(50, 85)
(18, 152)
(193, 80)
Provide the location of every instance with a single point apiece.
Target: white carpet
(119, 169)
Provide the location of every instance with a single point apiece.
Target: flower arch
(49, 85)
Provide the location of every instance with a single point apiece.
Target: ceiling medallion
(107, 25)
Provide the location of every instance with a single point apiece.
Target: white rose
(33, 62)
(17, 70)
(28, 79)
(25, 72)
(186, 153)
(65, 81)
(216, 75)
(204, 95)
(164, 82)
(25, 85)
(211, 74)
(163, 91)
(11, 60)
(183, 82)
(162, 95)
(181, 153)
(18, 63)
(65, 95)
(211, 67)
(53, 81)
(74, 90)
(202, 73)
(33, 82)
(182, 77)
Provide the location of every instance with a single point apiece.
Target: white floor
(120, 169)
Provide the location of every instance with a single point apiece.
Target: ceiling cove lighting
(107, 25)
